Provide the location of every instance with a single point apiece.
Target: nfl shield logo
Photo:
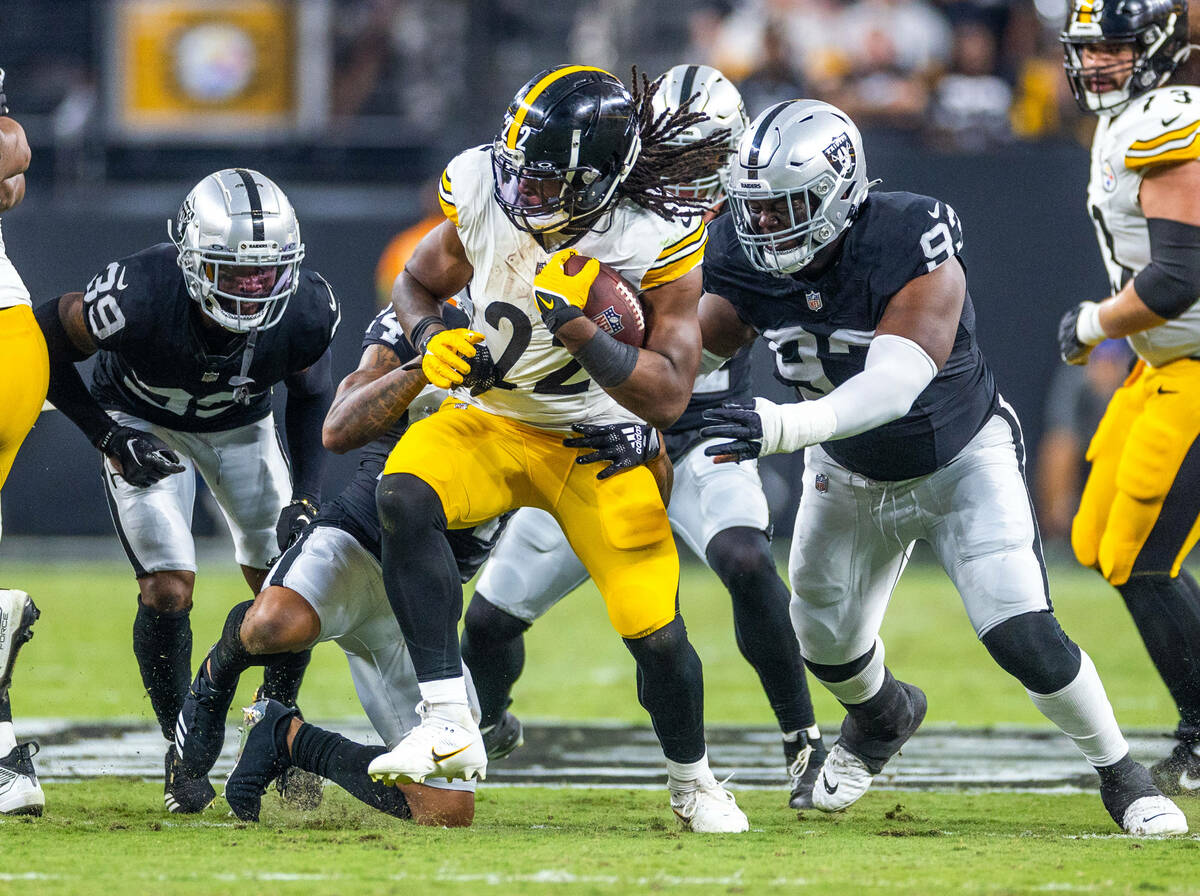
(609, 320)
(822, 483)
(814, 300)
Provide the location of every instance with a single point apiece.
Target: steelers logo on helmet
(239, 249)
(570, 137)
(1117, 50)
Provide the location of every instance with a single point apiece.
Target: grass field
(108, 834)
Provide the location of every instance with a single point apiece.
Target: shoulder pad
(461, 182)
(1161, 127)
(684, 251)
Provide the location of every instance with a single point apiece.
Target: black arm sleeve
(1170, 284)
(67, 391)
(310, 393)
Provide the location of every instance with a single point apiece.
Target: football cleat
(17, 616)
(1179, 773)
(200, 728)
(262, 758)
(847, 772)
(300, 789)
(502, 738)
(1153, 816)
(184, 793)
(447, 744)
(705, 807)
(20, 792)
(1129, 795)
(804, 759)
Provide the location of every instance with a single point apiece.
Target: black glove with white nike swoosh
(298, 513)
(623, 445)
(143, 458)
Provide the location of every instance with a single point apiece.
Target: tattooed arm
(370, 400)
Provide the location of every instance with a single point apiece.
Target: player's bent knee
(167, 591)
(438, 807)
(1033, 648)
(280, 621)
(486, 623)
(408, 503)
(739, 553)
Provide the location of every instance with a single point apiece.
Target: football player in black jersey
(865, 302)
(192, 335)
(719, 511)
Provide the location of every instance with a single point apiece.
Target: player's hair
(663, 162)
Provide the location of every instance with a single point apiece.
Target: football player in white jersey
(1139, 515)
(719, 510)
(579, 167)
(24, 376)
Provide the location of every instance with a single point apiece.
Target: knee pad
(407, 503)
(485, 623)
(1033, 649)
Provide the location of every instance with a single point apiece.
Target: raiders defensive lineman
(719, 511)
(865, 304)
(1139, 510)
(192, 335)
(578, 167)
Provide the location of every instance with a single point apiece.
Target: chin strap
(242, 382)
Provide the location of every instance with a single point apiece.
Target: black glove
(292, 520)
(1070, 348)
(144, 458)
(739, 422)
(623, 445)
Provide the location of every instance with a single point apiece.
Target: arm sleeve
(310, 392)
(897, 370)
(67, 391)
(1170, 284)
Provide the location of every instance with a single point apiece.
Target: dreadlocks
(663, 160)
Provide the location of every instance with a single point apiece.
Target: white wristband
(1087, 327)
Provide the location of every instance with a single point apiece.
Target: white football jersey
(540, 383)
(12, 288)
(1161, 127)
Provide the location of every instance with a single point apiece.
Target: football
(612, 303)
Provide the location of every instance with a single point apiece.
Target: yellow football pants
(1140, 510)
(24, 376)
(482, 465)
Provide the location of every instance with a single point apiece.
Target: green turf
(80, 664)
(110, 836)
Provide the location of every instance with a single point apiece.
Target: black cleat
(262, 758)
(20, 792)
(502, 738)
(200, 728)
(804, 758)
(17, 616)
(1179, 773)
(184, 793)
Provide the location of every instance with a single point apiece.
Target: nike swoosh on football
(1167, 122)
(829, 788)
(441, 757)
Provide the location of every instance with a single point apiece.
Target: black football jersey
(354, 510)
(820, 329)
(159, 363)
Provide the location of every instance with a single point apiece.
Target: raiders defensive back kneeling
(865, 303)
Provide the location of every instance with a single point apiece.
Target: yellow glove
(561, 296)
(445, 361)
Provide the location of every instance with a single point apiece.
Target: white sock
(444, 690)
(863, 686)
(814, 733)
(1082, 711)
(682, 775)
(8, 738)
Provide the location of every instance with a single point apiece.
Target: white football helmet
(238, 223)
(714, 95)
(806, 158)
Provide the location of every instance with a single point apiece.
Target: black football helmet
(570, 137)
(1156, 30)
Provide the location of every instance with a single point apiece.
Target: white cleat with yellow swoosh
(447, 744)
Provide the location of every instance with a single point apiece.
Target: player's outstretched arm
(370, 400)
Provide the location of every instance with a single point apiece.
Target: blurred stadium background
(353, 106)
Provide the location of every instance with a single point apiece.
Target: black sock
(420, 574)
(344, 762)
(1121, 784)
(162, 643)
(493, 647)
(741, 558)
(670, 683)
(229, 658)
(1167, 614)
(283, 674)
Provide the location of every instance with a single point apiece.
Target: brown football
(612, 303)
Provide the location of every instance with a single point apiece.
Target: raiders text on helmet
(1156, 32)
(238, 222)
(806, 156)
(713, 94)
(570, 137)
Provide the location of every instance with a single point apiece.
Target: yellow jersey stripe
(446, 198)
(1184, 153)
(514, 129)
(1178, 133)
(673, 271)
(687, 238)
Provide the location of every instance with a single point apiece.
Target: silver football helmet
(716, 97)
(800, 163)
(239, 249)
